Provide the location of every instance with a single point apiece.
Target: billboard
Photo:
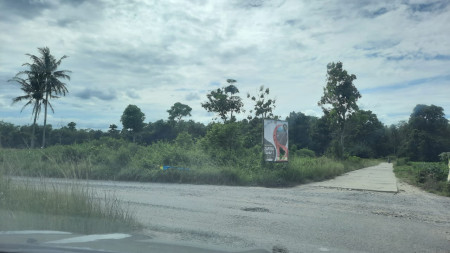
(275, 141)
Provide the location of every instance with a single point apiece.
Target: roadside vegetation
(430, 176)
(225, 151)
(112, 159)
(37, 205)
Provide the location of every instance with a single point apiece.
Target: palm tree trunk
(34, 129)
(45, 120)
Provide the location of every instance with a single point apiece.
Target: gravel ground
(307, 218)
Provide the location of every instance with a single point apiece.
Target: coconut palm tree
(47, 65)
(34, 95)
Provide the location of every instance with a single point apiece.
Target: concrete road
(318, 217)
(379, 178)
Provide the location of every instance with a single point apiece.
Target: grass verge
(429, 176)
(75, 208)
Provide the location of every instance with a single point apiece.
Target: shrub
(304, 152)
(431, 172)
(402, 161)
(426, 175)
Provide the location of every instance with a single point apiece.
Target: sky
(155, 53)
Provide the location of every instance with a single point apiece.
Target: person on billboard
(280, 138)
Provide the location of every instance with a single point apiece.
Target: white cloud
(144, 52)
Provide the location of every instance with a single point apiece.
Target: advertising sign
(275, 141)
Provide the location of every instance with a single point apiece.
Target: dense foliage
(132, 120)
(422, 138)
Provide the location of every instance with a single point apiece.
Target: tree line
(344, 129)
(422, 138)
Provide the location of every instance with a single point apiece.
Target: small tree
(264, 106)
(113, 130)
(133, 120)
(72, 126)
(179, 110)
(223, 101)
(339, 100)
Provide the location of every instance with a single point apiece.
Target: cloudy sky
(156, 53)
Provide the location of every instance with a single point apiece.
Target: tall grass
(74, 208)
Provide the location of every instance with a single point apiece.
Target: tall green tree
(178, 111)
(339, 101)
(300, 130)
(428, 133)
(33, 88)
(224, 101)
(264, 106)
(320, 133)
(46, 66)
(366, 135)
(133, 120)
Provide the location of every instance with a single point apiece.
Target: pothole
(255, 209)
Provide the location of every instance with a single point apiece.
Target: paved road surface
(377, 178)
(307, 218)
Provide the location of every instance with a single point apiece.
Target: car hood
(36, 241)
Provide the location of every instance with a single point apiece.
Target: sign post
(275, 141)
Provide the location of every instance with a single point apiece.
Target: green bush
(430, 172)
(402, 161)
(304, 152)
(430, 176)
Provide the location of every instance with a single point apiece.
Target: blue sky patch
(407, 84)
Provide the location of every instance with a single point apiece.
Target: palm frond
(59, 61)
(41, 81)
(18, 80)
(49, 104)
(20, 98)
(28, 103)
(37, 108)
(35, 59)
(62, 74)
